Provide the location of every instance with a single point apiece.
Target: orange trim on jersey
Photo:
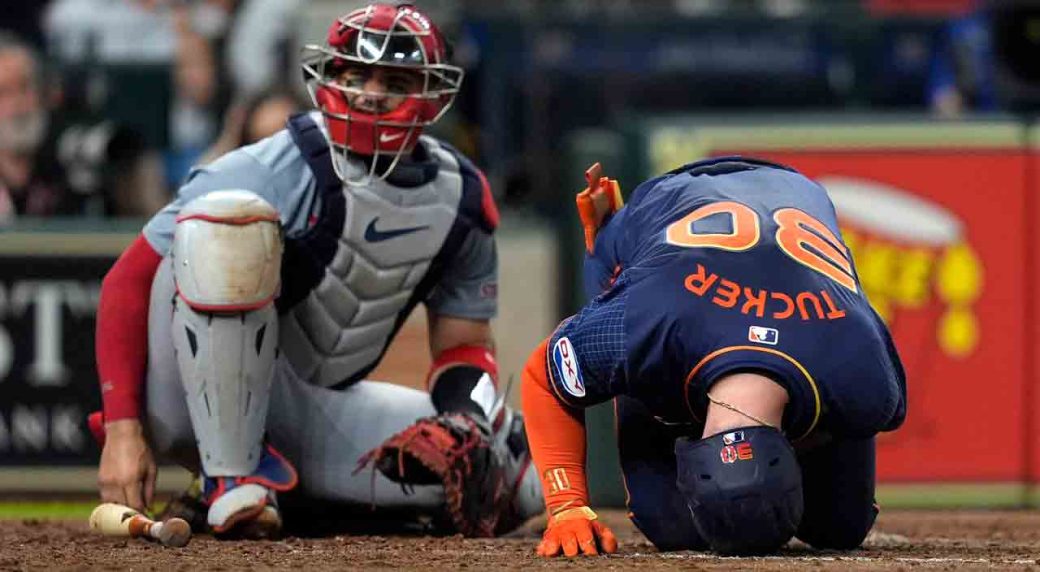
(726, 350)
(556, 436)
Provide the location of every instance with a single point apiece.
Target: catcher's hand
(126, 474)
(576, 531)
(453, 450)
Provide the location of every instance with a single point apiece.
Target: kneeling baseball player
(749, 373)
(235, 334)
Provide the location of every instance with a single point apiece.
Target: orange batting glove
(576, 531)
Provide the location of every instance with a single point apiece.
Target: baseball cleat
(267, 525)
(246, 507)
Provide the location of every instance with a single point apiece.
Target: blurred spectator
(258, 117)
(110, 31)
(121, 52)
(254, 39)
(261, 45)
(181, 61)
(23, 19)
(268, 115)
(207, 18)
(194, 112)
(773, 8)
(962, 77)
(50, 166)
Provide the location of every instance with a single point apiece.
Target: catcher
(235, 334)
(748, 372)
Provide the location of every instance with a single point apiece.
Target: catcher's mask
(743, 488)
(394, 38)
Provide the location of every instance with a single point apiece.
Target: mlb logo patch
(567, 364)
(734, 437)
(761, 335)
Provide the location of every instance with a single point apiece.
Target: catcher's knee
(227, 252)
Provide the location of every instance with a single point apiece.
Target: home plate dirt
(902, 540)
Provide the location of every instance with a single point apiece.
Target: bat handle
(141, 526)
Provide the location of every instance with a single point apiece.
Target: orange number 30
(802, 237)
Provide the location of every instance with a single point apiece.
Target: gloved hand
(455, 450)
(576, 531)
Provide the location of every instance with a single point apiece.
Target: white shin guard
(226, 261)
(227, 366)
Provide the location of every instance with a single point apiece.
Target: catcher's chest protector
(373, 253)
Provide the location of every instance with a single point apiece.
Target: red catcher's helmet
(392, 36)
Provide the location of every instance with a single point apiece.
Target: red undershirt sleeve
(121, 339)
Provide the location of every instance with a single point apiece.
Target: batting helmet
(743, 488)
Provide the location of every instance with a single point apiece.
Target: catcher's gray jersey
(358, 258)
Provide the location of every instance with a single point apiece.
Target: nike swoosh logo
(372, 234)
(389, 137)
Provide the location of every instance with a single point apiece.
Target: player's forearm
(121, 343)
(447, 332)
(556, 435)
(463, 357)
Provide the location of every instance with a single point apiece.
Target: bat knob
(174, 533)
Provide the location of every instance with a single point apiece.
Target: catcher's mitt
(453, 450)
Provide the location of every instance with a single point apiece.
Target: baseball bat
(111, 519)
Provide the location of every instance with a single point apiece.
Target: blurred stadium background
(917, 115)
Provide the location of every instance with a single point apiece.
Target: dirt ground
(903, 540)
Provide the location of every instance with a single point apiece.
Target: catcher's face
(377, 89)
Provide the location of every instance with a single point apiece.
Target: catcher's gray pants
(321, 431)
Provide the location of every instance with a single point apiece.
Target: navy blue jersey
(723, 266)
